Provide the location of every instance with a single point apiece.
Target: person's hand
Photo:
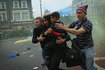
(60, 26)
(40, 38)
(60, 40)
(49, 30)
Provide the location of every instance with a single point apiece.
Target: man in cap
(83, 31)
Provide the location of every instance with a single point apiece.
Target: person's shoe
(46, 62)
(42, 65)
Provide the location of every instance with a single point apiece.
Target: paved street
(27, 59)
(30, 56)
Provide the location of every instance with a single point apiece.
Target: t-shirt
(84, 39)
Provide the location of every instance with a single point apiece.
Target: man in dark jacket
(41, 26)
(37, 31)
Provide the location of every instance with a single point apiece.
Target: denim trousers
(43, 54)
(89, 55)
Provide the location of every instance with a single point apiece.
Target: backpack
(73, 56)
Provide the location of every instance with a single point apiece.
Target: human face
(80, 15)
(37, 23)
(45, 22)
(53, 19)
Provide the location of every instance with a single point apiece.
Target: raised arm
(72, 31)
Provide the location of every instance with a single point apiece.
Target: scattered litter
(18, 54)
(35, 67)
(25, 52)
(31, 56)
(13, 55)
(28, 48)
(22, 41)
(39, 67)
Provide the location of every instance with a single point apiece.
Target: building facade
(15, 14)
(15, 10)
(96, 7)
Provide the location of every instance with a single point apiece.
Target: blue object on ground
(13, 55)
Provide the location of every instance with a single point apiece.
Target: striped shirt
(84, 40)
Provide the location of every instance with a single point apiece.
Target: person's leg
(49, 64)
(48, 52)
(43, 54)
(48, 48)
(56, 58)
(89, 54)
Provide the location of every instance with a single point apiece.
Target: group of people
(53, 35)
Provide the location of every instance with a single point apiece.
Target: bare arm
(60, 40)
(49, 30)
(72, 31)
(66, 26)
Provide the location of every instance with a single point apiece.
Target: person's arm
(66, 26)
(60, 40)
(49, 30)
(34, 38)
(72, 31)
(40, 38)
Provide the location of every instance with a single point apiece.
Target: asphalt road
(29, 56)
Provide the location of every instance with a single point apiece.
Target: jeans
(89, 55)
(43, 54)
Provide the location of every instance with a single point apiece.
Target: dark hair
(47, 17)
(55, 14)
(40, 19)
